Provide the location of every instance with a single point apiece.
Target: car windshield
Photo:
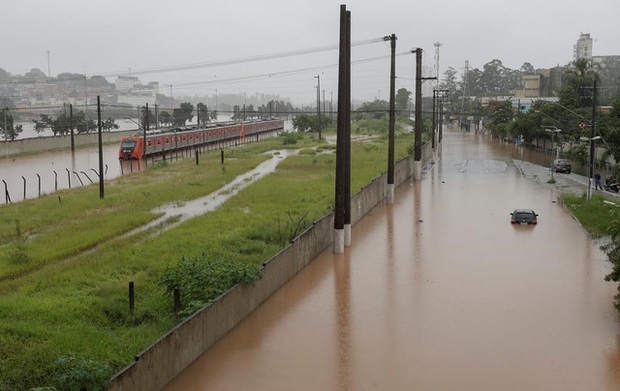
(523, 215)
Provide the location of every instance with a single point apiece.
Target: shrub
(202, 280)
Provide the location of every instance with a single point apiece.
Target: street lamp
(591, 140)
(553, 131)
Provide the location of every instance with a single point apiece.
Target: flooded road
(437, 292)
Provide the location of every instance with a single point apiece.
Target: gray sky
(119, 36)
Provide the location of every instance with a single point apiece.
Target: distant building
(608, 71)
(131, 91)
(531, 87)
(583, 47)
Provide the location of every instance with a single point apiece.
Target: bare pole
(71, 125)
(99, 126)
(318, 102)
(392, 120)
(347, 136)
(340, 137)
(418, 116)
(433, 143)
(592, 133)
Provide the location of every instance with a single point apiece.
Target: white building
(131, 91)
(583, 47)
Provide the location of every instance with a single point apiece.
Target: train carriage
(176, 139)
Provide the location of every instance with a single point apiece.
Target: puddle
(176, 213)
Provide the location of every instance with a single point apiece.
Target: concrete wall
(158, 364)
(41, 144)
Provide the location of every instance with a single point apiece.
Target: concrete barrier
(50, 143)
(159, 363)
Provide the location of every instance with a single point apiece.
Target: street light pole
(553, 131)
(318, 103)
(592, 132)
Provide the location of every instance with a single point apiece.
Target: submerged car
(561, 165)
(524, 217)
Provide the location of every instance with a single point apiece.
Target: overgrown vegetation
(65, 266)
(600, 219)
(201, 280)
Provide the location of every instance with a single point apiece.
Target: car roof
(523, 211)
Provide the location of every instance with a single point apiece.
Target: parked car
(524, 217)
(561, 165)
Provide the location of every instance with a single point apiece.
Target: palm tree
(580, 77)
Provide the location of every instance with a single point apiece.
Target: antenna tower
(437, 46)
(465, 89)
(49, 73)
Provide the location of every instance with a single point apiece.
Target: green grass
(64, 270)
(594, 215)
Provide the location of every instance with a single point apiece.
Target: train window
(149, 143)
(158, 141)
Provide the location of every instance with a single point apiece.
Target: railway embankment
(158, 364)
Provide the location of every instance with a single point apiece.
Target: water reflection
(342, 264)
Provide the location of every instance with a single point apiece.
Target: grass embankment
(600, 218)
(64, 270)
(595, 215)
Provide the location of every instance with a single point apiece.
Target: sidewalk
(573, 183)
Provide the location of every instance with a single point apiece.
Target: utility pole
(592, 133)
(146, 126)
(392, 118)
(6, 131)
(343, 129)
(318, 102)
(433, 142)
(417, 164)
(99, 123)
(71, 125)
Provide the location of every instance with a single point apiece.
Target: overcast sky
(130, 36)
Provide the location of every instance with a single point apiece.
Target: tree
(109, 124)
(303, 123)
(580, 78)
(310, 123)
(183, 114)
(449, 81)
(165, 118)
(401, 100)
(376, 109)
(527, 69)
(35, 73)
(11, 132)
(62, 123)
(144, 116)
(203, 113)
(501, 118)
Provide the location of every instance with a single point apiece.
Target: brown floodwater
(437, 292)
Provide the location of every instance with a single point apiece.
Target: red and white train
(176, 139)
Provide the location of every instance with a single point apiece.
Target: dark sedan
(561, 165)
(524, 217)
